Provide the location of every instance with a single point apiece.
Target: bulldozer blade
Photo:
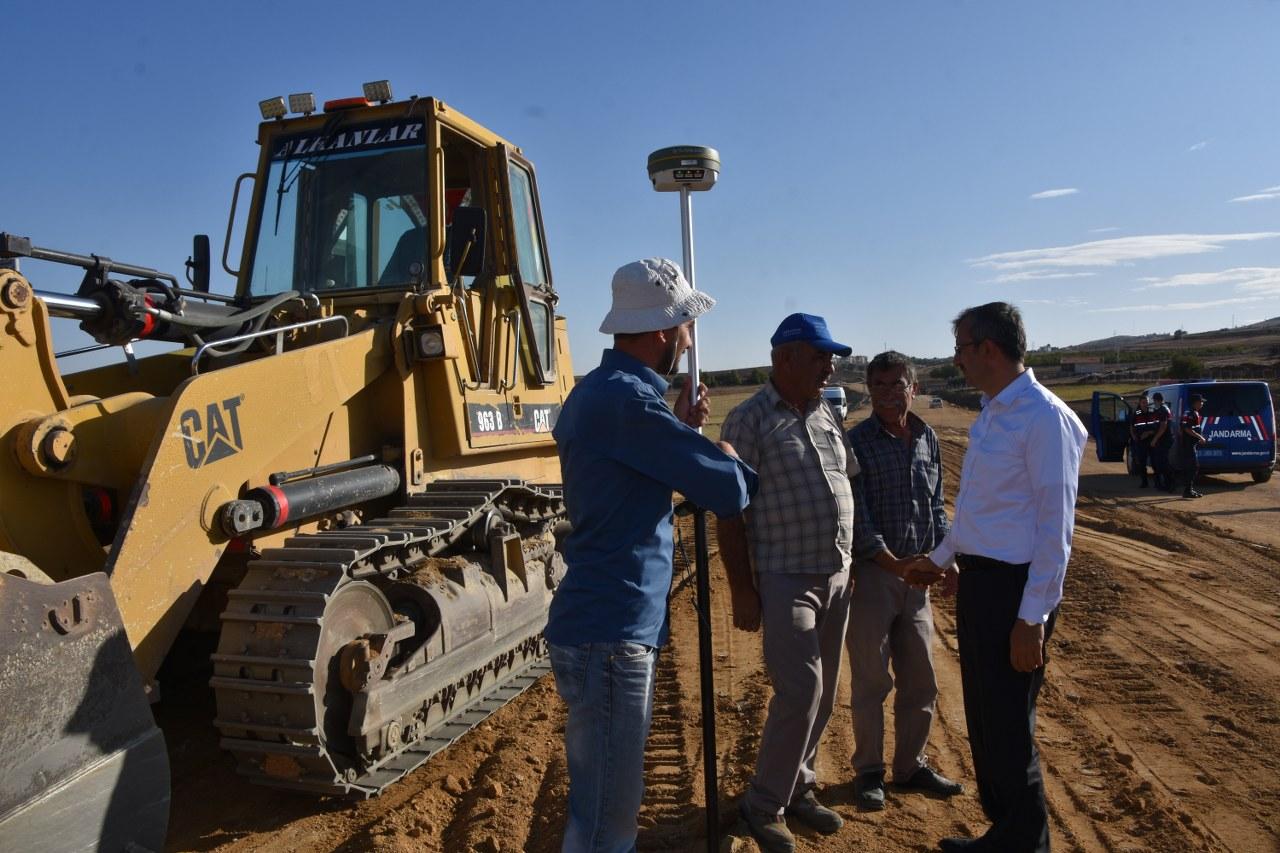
(82, 764)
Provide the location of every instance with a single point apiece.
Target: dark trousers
(1000, 706)
(1160, 464)
(1140, 451)
(1190, 469)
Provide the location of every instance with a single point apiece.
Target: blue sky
(1106, 166)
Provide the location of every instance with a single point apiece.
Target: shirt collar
(617, 360)
(776, 399)
(914, 423)
(1012, 391)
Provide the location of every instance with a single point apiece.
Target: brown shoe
(814, 814)
(769, 830)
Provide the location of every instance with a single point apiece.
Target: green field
(1084, 392)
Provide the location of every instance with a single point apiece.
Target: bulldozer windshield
(343, 209)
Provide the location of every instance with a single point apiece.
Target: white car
(935, 403)
(834, 394)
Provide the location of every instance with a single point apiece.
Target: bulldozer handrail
(278, 331)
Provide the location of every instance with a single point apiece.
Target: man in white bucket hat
(623, 451)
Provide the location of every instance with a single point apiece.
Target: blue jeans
(608, 688)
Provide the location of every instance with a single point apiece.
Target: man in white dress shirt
(1011, 537)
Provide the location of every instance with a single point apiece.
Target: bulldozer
(346, 469)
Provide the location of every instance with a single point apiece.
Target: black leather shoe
(957, 845)
(931, 782)
(868, 791)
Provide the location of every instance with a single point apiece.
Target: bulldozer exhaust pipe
(271, 507)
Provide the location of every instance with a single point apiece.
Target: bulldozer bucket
(82, 764)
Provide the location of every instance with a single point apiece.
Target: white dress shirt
(1018, 486)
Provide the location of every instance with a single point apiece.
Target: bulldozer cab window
(464, 180)
(343, 210)
(528, 237)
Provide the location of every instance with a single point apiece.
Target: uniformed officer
(1191, 438)
(1142, 428)
(1160, 442)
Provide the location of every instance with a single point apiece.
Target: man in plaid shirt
(899, 515)
(795, 542)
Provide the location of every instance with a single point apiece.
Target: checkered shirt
(801, 519)
(899, 491)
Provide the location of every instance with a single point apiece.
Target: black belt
(975, 563)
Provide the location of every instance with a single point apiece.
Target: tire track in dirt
(1159, 722)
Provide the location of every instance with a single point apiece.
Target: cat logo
(214, 437)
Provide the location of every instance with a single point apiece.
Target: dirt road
(1159, 724)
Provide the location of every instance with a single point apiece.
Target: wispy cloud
(1066, 303)
(1199, 146)
(1255, 279)
(1036, 276)
(1113, 252)
(1055, 193)
(1106, 230)
(1180, 306)
(1261, 195)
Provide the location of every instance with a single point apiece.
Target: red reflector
(148, 320)
(346, 104)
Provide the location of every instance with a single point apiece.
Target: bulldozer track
(265, 670)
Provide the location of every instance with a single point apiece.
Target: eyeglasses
(960, 346)
(899, 386)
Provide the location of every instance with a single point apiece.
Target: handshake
(919, 572)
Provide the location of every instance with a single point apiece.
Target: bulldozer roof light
(273, 107)
(346, 104)
(692, 167)
(378, 90)
(302, 102)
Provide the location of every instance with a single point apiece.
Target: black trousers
(1160, 464)
(1140, 450)
(1190, 469)
(1000, 706)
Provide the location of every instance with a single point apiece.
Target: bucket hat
(650, 295)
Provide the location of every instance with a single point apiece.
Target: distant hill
(1120, 342)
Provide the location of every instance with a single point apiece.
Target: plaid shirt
(801, 519)
(899, 493)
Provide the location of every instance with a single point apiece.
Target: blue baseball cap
(811, 329)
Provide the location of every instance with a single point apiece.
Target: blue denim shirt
(622, 452)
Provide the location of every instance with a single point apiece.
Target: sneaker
(868, 791)
(814, 814)
(769, 830)
(931, 782)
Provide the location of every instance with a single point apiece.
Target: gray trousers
(804, 617)
(890, 622)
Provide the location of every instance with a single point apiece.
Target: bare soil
(1159, 723)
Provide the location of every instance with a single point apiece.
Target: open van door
(1109, 420)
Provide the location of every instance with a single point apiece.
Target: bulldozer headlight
(302, 102)
(272, 108)
(429, 342)
(378, 90)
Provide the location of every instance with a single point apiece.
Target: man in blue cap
(787, 559)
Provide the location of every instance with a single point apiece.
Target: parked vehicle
(935, 403)
(834, 394)
(1239, 423)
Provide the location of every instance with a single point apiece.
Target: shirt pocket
(926, 473)
(832, 450)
